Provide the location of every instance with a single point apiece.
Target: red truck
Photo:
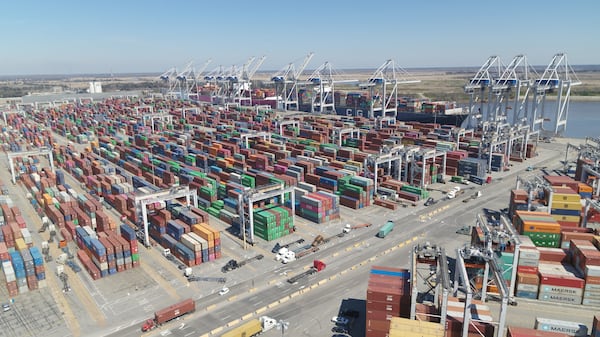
(169, 313)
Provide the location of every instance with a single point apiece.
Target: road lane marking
(216, 331)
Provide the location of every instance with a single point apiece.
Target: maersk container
(553, 325)
(386, 229)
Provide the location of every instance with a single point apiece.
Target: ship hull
(404, 116)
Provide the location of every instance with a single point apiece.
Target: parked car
(430, 202)
(5, 307)
(339, 320)
(223, 291)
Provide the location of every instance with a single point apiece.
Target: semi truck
(171, 312)
(253, 327)
(386, 229)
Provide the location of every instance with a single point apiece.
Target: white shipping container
(6, 265)
(559, 298)
(592, 270)
(590, 302)
(528, 287)
(90, 232)
(197, 237)
(592, 287)
(26, 235)
(591, 295)
(23, 289)
(234, 177)
(526, 242)
(561, 290)
(566, 327)
(530, 254)
(42, 284)
(10, 277)
(72, 192)
(191, 243)
(528, 262)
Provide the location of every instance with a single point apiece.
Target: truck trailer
(253, 327)
(386, 229)
(169, 313)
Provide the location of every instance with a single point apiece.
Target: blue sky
(102, 36)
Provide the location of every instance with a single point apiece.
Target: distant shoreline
(582, 98)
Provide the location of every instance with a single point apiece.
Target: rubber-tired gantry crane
(249, 197)
(40, 151)
(286, 85)
(142, 201)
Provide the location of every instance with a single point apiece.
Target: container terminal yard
(168, 214)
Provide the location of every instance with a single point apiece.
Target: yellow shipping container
(575, 206)
(20, 244)
(407, 327)
(563, 197)
(204, 233)
(47, 199)
(570, 218)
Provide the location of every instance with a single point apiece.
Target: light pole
(283, 325)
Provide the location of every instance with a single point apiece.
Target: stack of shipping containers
(22, 263)
(388, 295)
(541, 227)
(319, 207)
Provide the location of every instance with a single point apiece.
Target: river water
(583, 120)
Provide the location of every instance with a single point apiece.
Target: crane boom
(303, 66)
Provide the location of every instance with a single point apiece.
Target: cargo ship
(407, 109)
(358, 104)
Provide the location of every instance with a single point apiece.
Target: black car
(429, 202)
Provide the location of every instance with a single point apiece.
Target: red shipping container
(4, 256)
(561, 281)
(527, 270)
(133, 246)
(553, 255)
(378, 324)
(391, 308)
